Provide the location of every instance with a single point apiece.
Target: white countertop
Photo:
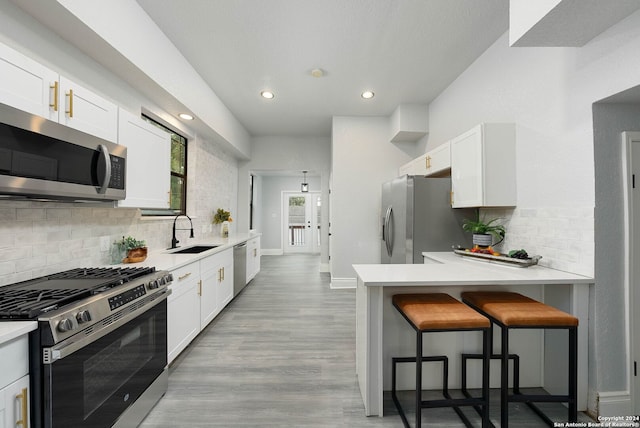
(451, 269)
(165, 260)
(11, 329)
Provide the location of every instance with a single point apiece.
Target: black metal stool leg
(486, 353)
(419, 380)
(573, 374)
(504, 379)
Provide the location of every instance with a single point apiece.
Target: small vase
(482, 239)
(224, 229)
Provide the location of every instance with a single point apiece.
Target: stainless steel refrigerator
(417, 216)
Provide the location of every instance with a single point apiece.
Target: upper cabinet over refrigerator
(417, 217)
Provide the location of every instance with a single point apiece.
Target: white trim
(339, 283)
(614, 403)
(628, 138)
(324, 267)
(271, 252)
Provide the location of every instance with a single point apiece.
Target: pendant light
(304, 187)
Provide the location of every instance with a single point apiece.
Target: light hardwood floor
(282, 354)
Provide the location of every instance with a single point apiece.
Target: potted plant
(484, 231)
(135, 250)
(223, 218)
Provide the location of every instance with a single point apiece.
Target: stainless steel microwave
(43, 159)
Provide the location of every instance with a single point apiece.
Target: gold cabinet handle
(451, 198)
(24, 410)
(428, 160)
(70, 111)
(222, 274)
(186, 275)
(55, 88)
(200, 288)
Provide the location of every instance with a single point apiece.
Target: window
(178, 197)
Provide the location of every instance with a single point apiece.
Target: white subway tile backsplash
(30, 214)
(563, 236)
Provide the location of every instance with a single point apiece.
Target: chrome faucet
(174, 241)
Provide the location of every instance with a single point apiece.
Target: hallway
(282, 354)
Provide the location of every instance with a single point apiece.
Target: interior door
(301, 222)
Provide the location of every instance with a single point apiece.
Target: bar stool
(514, 311)
(439, 312)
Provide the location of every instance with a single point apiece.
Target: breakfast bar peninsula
(381, 333)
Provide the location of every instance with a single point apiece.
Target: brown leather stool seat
(511, 310)
(437, 312)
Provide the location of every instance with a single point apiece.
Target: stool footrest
(543, 398)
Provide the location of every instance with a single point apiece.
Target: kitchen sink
(195, 249)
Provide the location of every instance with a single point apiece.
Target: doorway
(631, 141)
(301, 222)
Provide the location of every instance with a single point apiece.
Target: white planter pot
(482, 239)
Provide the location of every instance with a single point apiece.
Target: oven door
(94, 385)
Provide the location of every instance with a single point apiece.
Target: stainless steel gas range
(99, 355)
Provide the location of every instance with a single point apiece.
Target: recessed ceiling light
(317, 72)
(186, 116)
(267, 94)
(367, 95)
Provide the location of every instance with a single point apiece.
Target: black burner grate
(28, 299)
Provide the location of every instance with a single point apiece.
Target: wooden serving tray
(533, 260)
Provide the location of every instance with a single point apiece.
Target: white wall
(362, 159)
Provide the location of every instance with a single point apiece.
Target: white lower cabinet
(183, 309)
(199, 291)
(253, 258)
(14, 383)
(217, 285)
(14, 404)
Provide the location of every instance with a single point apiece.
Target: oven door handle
(73, 344)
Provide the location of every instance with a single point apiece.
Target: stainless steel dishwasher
(239, 267)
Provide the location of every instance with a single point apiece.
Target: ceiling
(406, 51)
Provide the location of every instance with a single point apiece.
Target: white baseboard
(614, 403)
(338, 283)
(324, 267)
(271, 252)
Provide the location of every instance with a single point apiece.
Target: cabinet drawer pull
(24, 409)
(428, 159)
(55, 96)
(222, 274)
(70, 111)
(200, 288)
(180, 278)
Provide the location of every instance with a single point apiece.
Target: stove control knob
(153, 284)
(169, 278)
(83, 316)
(65, 324)
(162, 280)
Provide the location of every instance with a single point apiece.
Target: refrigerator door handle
(388, 230)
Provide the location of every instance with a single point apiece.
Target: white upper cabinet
(28, 85)
(148, 178)
(434, 163)
(87, 112)
(483, 171)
